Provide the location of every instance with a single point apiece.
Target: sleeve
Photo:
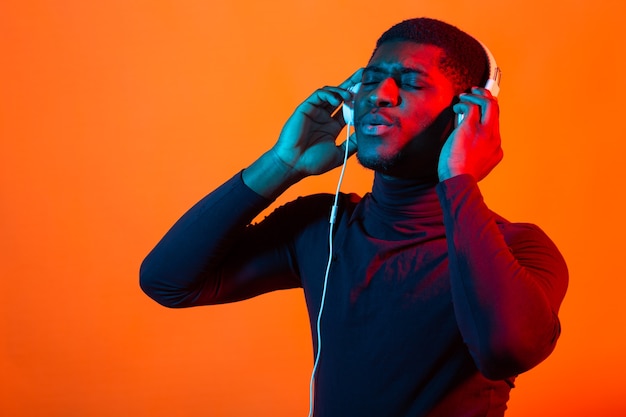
(214, 255)
(508, 281)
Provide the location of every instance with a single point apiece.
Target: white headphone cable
(333, 216)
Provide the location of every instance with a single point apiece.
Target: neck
(405, 196)
(399, 208)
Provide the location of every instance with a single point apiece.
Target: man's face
(403, 110)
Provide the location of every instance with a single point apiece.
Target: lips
(376, 124)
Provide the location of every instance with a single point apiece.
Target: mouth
(376, 124)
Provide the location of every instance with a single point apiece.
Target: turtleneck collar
(398, 208)
(405, 197)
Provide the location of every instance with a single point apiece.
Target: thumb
(350, 143)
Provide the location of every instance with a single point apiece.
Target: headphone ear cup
(348, 106)
(348, 113)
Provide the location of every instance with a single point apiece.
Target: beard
(379, 163)
(404, 164)
(419, 159)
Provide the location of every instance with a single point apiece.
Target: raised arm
(508, 280)
(211, 254)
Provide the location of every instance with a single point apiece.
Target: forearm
(180, 265)
(269, 176)
(505, 295)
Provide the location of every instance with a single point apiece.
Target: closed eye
(411, 87)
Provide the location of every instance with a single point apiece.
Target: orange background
(117, 115)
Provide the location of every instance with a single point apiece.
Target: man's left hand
(474, 146)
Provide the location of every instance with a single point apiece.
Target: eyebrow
(403, 70)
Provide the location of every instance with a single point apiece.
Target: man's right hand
(307, 141)
(306, 145)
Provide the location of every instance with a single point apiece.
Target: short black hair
(464, 59)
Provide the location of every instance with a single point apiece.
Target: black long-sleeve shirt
(434, 303)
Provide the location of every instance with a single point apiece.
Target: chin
(390, 166)
(379, 163)
(400, 165)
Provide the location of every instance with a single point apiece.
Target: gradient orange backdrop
(117, 115)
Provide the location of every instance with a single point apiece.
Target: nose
(386, 94)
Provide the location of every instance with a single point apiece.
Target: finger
(338, 117)
(479, 100)
(354, 79)
(351, 143)
(327, 98)
(330, 97)
(481, 91)
(487, 104)
(491, 112)
(470, 111)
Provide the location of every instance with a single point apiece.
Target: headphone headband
(495, 74)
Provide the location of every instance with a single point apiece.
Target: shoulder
(321, 203)
(534, 249)
(519, 234)
(312, 208)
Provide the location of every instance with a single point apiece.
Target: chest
(397, 276)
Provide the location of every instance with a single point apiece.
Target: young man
(433, 303)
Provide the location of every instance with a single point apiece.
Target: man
(433, 304)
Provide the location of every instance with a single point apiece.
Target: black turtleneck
(412, 206)
(434, 303)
